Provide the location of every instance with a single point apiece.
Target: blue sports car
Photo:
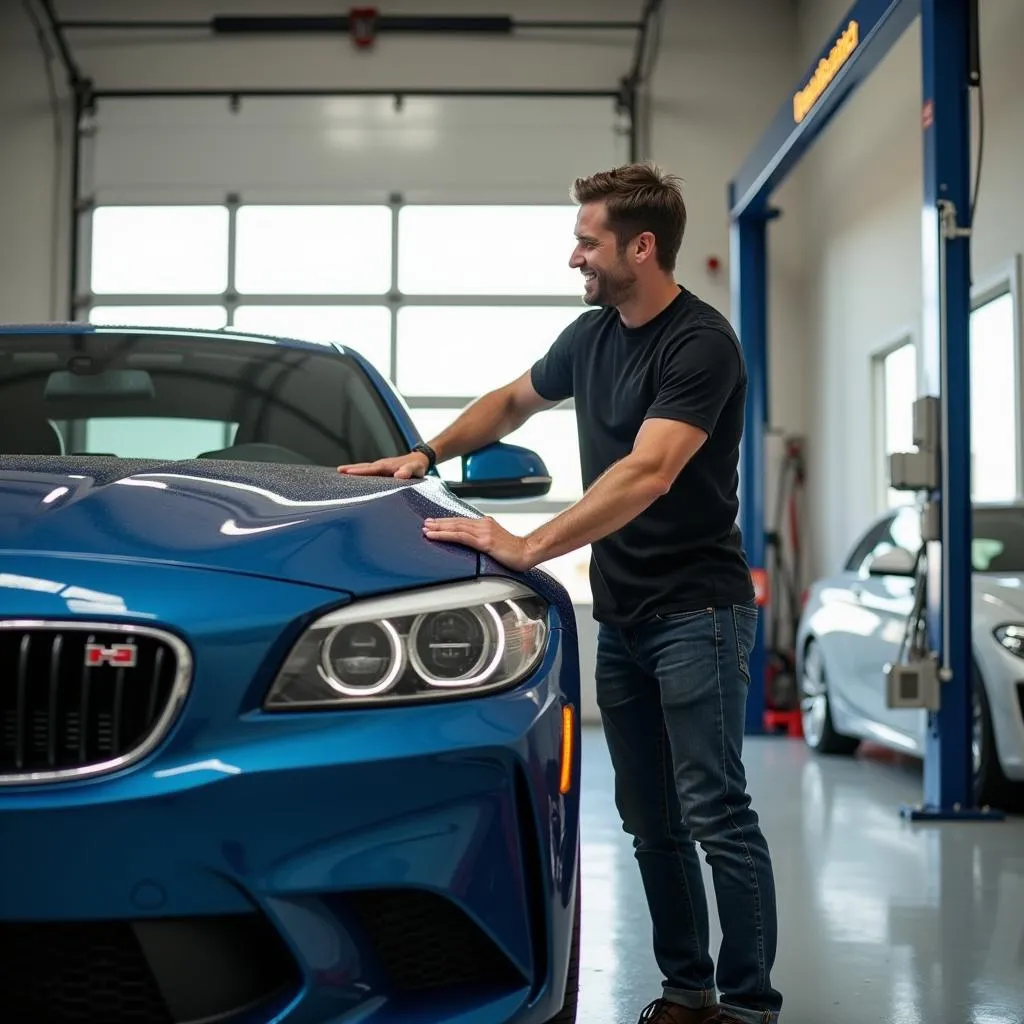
(267, 754)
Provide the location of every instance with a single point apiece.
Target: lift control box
(913, 684)
(919, 470)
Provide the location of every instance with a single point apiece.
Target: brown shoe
(661, 1011)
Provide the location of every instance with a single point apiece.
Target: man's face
(608, 277)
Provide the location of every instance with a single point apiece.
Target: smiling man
(659, 385)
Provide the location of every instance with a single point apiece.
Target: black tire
(991, 787)
(567, 1014)
(816, 709)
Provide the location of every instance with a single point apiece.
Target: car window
(998, 543)
(877, 540)
(906, 529)
(179, 396)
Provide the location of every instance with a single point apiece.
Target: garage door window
(295, 250)
(168, 250)
(447, 301)
(487, 250)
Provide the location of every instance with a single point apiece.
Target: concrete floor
(881, 921)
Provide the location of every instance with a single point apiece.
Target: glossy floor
(880, 920)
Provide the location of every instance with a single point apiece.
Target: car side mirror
(894, 562)
(502, 471)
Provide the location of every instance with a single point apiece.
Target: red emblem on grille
(120, 655)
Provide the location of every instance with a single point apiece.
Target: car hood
(303, 524)
(999, 596)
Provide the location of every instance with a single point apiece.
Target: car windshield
(998, 540)
(180, 396)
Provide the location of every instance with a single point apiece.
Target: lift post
(749, 282)
(946, 32)
(858, 44)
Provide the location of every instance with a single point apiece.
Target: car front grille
(80, 699)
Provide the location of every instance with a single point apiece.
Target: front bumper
(1003, 673)
(372, 866)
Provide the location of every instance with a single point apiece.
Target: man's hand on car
(401, 467)
(486, 536)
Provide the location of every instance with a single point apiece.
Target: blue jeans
(672, 695)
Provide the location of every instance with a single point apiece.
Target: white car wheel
(815, 712)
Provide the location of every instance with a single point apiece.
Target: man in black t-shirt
(659, 384)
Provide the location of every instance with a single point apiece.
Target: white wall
(33, 228)
(715, 88)
(863, 189)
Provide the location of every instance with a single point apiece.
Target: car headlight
(466, 638)
(1012, 638)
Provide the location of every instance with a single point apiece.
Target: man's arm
(492, 417)
(698, 379)
(486, 420)
(662, 449)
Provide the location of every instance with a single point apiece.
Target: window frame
(393, 299)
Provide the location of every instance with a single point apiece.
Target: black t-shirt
(684, 552)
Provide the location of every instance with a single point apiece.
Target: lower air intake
(423, 941)
(170, 971)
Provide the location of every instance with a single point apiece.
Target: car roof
(83, 327)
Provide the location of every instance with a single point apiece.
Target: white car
(853, 625)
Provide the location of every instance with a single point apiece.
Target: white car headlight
(454, 640)
(1012, 638)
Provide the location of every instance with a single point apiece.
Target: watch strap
(431, 455)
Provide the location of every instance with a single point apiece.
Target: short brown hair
(639, 197)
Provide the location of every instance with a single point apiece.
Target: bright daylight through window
(898, 381)
(409, 288)
(994, 401)
(994, 376)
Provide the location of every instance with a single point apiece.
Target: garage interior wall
(702, 115)
(862, 184)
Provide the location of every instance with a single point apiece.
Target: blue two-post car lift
(859, 43)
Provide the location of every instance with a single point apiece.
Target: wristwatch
(431, 455)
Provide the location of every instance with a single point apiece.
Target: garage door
(431, 234)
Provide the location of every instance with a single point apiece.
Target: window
(467, 350)
(994, 401)
(156, 437)
(877, 539)
(487, 250)
(174, 250)
(998, 541)
(447, 301)
(336, 250)
(896, 384)
(901, 528)
(167, 397)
